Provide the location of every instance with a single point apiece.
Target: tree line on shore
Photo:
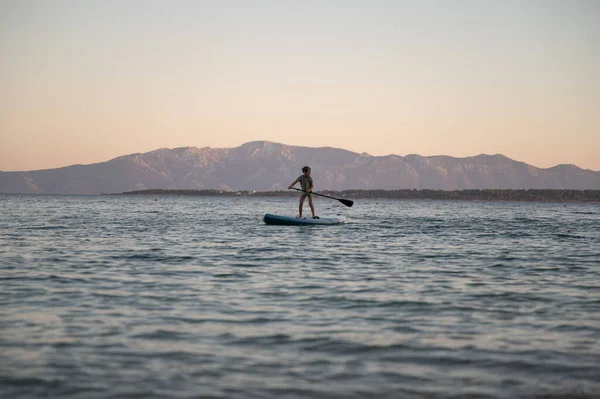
(539, 195)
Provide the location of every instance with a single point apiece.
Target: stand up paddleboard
(294, 221)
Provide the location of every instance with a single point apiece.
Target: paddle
(343, 201)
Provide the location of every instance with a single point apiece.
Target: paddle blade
(346, 202)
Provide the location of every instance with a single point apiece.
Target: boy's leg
(312, 207)
(300, 207)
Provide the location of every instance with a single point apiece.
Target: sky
(86, 81)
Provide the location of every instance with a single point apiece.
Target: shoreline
(498, 195)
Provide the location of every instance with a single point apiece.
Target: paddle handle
(343, 201)
(310, 192)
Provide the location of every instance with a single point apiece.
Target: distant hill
(263, 165)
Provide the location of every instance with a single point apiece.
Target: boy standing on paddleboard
(306, 182)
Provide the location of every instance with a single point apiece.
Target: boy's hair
(305, 169)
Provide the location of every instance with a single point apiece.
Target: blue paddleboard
(294, 221)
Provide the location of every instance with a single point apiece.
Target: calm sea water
(194, 297)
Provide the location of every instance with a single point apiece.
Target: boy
(306, 182)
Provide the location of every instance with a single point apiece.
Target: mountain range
(267, 166)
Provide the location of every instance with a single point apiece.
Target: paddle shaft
(343, 201)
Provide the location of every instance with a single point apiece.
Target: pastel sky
(85, 81)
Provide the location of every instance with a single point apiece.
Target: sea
(195, 297)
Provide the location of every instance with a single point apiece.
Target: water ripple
(191, 297)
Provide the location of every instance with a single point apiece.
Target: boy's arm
(293, 183)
